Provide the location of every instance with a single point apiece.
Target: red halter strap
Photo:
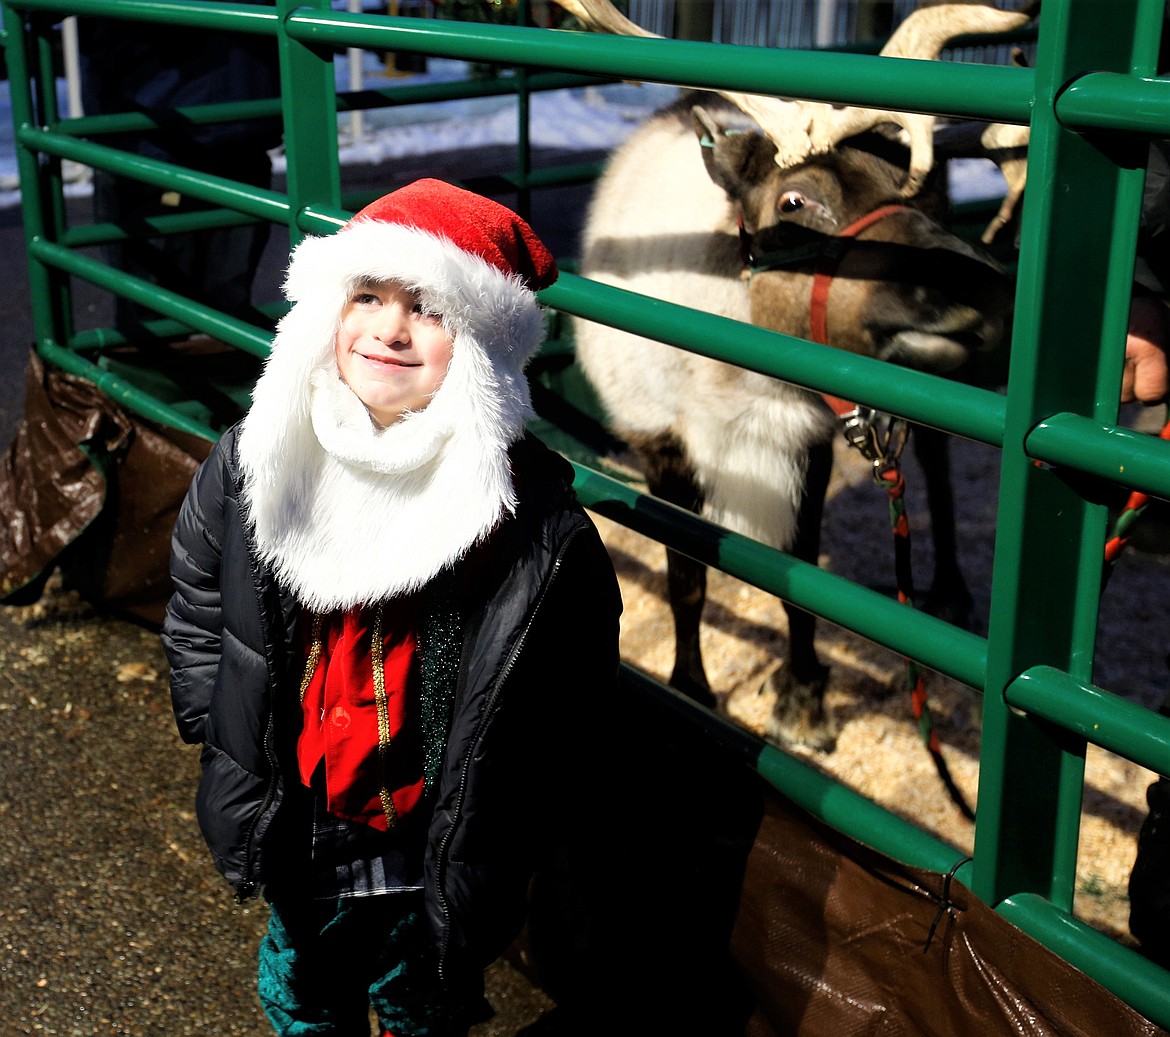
(818, 307)
(827, 267)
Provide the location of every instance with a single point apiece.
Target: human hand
(1146, 377)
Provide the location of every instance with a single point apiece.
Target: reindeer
(723, 205)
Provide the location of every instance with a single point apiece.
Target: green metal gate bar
(1092, 101)
(941, 646)
(971, 412)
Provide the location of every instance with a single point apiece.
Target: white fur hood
(348, 513)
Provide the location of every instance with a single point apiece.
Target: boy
(394, 628)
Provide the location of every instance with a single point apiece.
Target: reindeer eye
(791, 201)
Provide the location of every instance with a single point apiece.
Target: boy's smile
(390, 351)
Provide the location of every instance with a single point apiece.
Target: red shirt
(367, 732)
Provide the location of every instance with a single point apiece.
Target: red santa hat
(471, 259)
(472, 223)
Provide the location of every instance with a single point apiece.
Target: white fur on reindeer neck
(347, 513)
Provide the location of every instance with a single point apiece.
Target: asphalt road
(113, 920)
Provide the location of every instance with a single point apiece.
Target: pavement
(113, 919)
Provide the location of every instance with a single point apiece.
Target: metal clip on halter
(879, 437)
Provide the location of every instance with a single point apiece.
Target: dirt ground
(879, 751)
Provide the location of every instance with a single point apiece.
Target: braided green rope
(895, 485)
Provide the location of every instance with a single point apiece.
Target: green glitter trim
(440, 646)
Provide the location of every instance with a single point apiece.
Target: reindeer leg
(669, 476)
(798, 717)
(687, 583)
(949, 597)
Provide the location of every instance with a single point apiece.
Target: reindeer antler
(803, 128)
(604, 17)
(1007, 146)
(921, 35)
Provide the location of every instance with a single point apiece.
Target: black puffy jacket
(536, 686)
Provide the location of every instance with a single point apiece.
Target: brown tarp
(94, 492)
(834, 940)
(741, 915)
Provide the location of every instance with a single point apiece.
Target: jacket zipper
(441, 856)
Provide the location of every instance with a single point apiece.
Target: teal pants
(324, 963)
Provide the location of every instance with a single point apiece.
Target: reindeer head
(904, 289)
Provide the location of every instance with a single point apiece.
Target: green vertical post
(1077, 245)
(45, 301)
(51, 182)
(523, 127)
(308, 92)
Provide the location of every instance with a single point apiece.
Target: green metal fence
(1092, 101)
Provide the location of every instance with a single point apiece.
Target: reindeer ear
(735, 159)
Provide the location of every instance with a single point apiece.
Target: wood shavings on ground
(879, 751)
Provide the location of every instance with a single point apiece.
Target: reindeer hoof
(798, 715)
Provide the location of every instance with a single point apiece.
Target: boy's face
(390, 352)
